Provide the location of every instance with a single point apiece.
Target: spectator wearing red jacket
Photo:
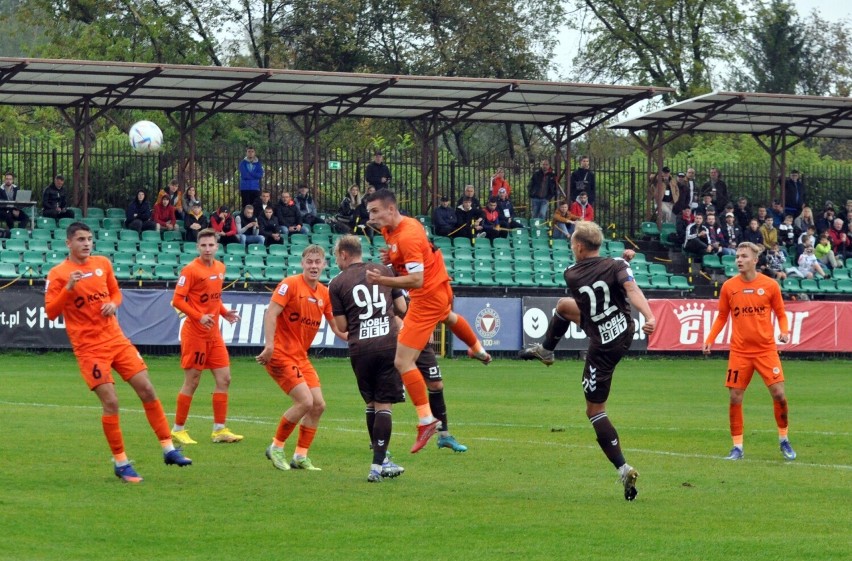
(582, 209)
(225, 225)
(164, 214)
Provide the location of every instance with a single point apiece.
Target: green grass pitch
(533, 486)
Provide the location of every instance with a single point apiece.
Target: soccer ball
(145, 137)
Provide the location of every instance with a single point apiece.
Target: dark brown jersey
(368, 308)
(597, 285)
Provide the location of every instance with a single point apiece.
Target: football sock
(112, 431)
(735, 414)
(781, 417)
(461, 328)
(370, 414)
(416, 388)
(285, 429)
(182, 410)
(121, 459)
(220, 408)
(608, 439)
(157, 419)
(439, 408)
(381, 435)
(556, 329)
(306, 437)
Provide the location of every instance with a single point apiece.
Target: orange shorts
(96, 365)
(424, 313)
(741, 369)
(289, 372)
(200, 354)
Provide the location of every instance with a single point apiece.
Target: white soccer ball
(145, 137)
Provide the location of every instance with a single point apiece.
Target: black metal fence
(116, 172)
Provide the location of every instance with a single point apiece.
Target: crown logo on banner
(689, 312)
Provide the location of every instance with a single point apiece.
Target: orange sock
(306, 437)
(220, 408)
(735, 414)
(464, 332)
(182, 411)
(416, 388)
(112, 431)
(781, 417)
(285, 429)
(157, 420)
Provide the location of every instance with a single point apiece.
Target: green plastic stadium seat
(172, 236)
(544, 279)
(41, 235)
(649, 229)
(231, 260)
(164, 272)
(8, 270)
(95, 212)
(484, 278)
(185, 259)
(844, 286)
(128, 235)
(10, 256)
(712, 262)
(151, 236)
(791, 284)
(170, 259)
(149, 247)
(657, 269)
(15, 244)
(146, 259)
(504, 278)
(114, 212)
(256, 274)
(275, 274)
(679, 282)
(463, 277)
(233, 272)
(828, 286)
(463, 253)
(256, 249)
(45, 223)
(525, 279)
(255, 261)
(19, 234)
(171, 247)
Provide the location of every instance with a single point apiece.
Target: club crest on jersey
(761, 292)
(320, 302)
(393, 248)
(282, 290)
(99, 272)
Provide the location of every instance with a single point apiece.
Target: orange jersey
(411, 251)
(199, 292)
(86, 326)
(301, 318)
(749, 304)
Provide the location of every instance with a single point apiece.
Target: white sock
(177, 428)
(218, 426)
(376, 467)
(427, 420)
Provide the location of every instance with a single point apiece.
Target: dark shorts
(427, 363)
(600, 365)
(378, 379)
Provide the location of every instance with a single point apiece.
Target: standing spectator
(377, 172)
(251, 172)
(582, 209)
(666, 192)
(469, 220)
(491, 220)
(717, 188)
(563, 222)
(270, 227)
(743, 213)
(752, 234)
(697, 239)
(53, 202)
(287, 214)
(824, 253)
(138, 214)
(794, 193)
(499, 182)
(173, 191)
(307, 208)
(194, 222)
(689, 192)
(225, 226)
(164, 214)
(345, 218)
(542, 189)
(248, 227)
(12, 215)
(733, 234)
(825, 223)
(444, 219)
(787, 234)
(583, 179)
(470, 193)
(769, 232)
(190, 198)
(507, 211)
(805, 219)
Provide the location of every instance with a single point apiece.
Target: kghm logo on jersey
(487, 322)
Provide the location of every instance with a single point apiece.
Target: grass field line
(273, 422)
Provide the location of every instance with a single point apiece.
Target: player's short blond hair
(350, 244)
(589, 234)
(313, 248)
(753, 247)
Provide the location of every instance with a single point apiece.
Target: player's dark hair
(386, 196)
(75, 227)
(350, 244)
(206, 233)
(588, 234)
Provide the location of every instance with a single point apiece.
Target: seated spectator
(175, 197)
(469, 220)
(743, 213)
(769, 233)
(14, 217)
(682, 222)
(762, 213)
(189, 199)
(138, 214)
(270, 227)
(195, 221)
(753, 234)
(805, 219)
(808, 237)
(288, 215)
(774, 263)
(499, 182)
(53, 202)
(362, 217)
(307, 208)
(163, 214)
(582, 209)
(824, 253)
(787, 234)
(847, 250)
(563, 222)
(491, 220)
(444, 221)
(777, 213)
(808, 265)
(838, 238)
(248, 227)
(507, 211)
(261, 202)
(716, 236)
(345, 217)
(732, 233)
(706, 205)
(697, 238)
(825, 223)
(470, 194)
(224, 225)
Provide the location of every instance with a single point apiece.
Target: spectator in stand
(716, 237)
(14, 217)
(824, 253)
(499, 182)
(583, 179)
(362, 217)
(731, 231)
(261, 202)
(307, 208)
(838, 238)
(225, 225)
(743, 213)
(825, 223)
(288, 216)
(848, 214)
(444, 219)
(681, 224)
(787, 234)
(195, 221)
(563, 222)
(752, 234)
(777, 213)
(270, 227)
(808, 265)
(53, 202)
(697, 238)
(377, 172)
(847, 250)
(469, 193)
(775, 262)
(248, 227)
(706, 206)
(469, 220)
(138, 214)
(541, 189)
(173, 191)
(491, 220)
(848, 220)
(345, 217)
(190, 198)
(163, 215)
(582, 209)
(794, 193)
(762, 213)
(805, 219)
(769, 232)
(251, 174)
(717, 189)
(689, 192)
(807, 238)
(666, 193)
(507, 212)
